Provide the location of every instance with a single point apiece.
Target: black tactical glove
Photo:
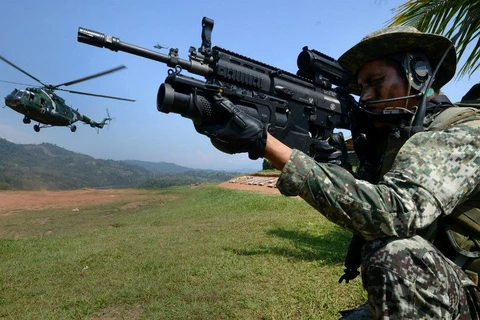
(239, 133)
(333, 150)
(353, 259)
(348, 275)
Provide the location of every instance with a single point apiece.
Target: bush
(267, 165)
(5, 186)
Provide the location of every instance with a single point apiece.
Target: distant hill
(47, 166)
(158, 167)
(167, 167)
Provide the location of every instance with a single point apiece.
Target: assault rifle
(301, 108)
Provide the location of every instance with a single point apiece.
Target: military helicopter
(159, 46)
(41, 104)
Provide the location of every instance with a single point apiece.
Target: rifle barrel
(101, 40)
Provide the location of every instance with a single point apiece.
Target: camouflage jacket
(432, 173)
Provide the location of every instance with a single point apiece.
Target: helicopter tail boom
(100, 125)
(94, 124)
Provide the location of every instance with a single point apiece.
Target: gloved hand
(239, 133)
(333, 150)
(348, 275)
(353, 259)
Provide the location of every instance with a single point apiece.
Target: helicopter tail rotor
(105, 122)
(109, 119)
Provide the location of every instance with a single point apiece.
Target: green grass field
(190, 253)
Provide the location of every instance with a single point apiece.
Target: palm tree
(450, 18)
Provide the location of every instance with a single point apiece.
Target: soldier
(419, 167)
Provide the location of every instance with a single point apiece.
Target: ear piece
(418, 69)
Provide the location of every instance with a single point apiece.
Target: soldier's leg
(410, 279)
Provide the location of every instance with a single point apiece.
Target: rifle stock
(300, 108)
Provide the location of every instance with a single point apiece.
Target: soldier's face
(380, 80)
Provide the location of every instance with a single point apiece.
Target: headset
(418, 70)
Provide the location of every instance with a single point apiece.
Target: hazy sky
(41, 38)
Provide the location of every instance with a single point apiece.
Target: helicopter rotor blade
(97, 95)
(91, 77)
(23, 84)
(22, 71)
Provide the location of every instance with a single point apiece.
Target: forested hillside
(47, 166)
(159, 167)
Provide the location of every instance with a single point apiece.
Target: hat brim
(434, 46)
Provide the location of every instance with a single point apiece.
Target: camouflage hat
(396, 39)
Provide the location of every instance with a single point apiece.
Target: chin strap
(398, 117)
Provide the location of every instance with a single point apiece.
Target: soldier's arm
(433, 172)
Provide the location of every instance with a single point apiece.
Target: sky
(41, 38)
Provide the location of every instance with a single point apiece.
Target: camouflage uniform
(404, 275)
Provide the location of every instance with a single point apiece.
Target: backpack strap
(453, 115)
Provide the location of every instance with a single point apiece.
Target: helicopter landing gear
(73, 128)
(36, 128)
(26, 120)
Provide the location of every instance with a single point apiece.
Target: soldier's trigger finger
(337, 140)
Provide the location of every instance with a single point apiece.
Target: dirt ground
(11, 201)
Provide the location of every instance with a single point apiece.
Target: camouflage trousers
(410, 279)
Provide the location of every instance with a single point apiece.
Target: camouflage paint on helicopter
(41, 104)
(47, 108)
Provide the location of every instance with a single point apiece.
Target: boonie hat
(396, 39)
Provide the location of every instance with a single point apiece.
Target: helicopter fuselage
(41, 106)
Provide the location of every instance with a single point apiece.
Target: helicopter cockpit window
(19, 93)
